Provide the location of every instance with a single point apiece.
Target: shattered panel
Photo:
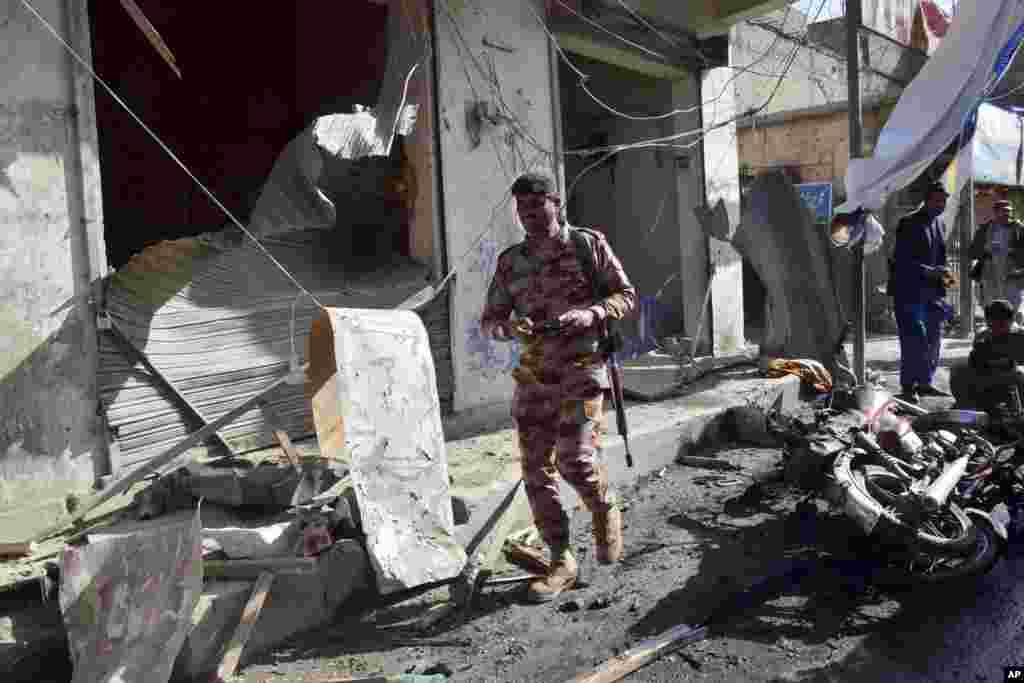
(392, 432)
(295, 195)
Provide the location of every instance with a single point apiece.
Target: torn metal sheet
(375, 402)
(127, 602)
(295, 195)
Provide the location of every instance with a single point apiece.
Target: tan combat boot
(561, 577)
(608, 535)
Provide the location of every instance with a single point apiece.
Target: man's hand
(523, 327)
(577, 319)
(940, 275)
(507, 330)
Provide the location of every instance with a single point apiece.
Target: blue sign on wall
(817, 197)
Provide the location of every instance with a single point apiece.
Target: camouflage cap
(534, 183)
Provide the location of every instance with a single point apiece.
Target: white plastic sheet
(937, 104)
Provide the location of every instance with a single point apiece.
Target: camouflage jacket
(544, 280)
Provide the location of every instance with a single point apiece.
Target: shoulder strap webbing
(586, 257)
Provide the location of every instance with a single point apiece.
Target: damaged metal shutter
(214, 317)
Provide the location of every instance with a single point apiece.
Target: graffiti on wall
(486, 356)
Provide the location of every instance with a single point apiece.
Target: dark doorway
(254, 75)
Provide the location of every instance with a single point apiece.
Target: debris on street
(707, 463)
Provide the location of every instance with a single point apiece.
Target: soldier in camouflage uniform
(561, 379)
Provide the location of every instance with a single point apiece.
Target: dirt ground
(692, 539)
(695, 538)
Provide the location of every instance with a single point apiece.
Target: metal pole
(853, 22)
(966, 231)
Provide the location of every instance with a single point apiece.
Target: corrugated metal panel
(215, 320)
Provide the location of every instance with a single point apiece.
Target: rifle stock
(615, 377)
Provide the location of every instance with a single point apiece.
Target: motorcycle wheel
(949, 530)
(923, 569)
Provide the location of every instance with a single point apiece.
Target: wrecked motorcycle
(934, 491)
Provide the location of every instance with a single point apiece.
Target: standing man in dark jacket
(919, 277)
(998, 252)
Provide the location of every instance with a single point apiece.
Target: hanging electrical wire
(603, 104)
(174, 157)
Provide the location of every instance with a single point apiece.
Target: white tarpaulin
(939, 102)
(997, 144)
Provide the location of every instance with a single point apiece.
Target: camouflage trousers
(560, 435)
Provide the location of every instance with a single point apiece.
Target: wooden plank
(617, 668)
(151, 34)
(249, 569)
(277, 425)
(250, 614)
(17, 549)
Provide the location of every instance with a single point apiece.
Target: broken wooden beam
(250, 614)
(151, 34)
(249, 569)
(518, 578)
(619, 667)
(16, 550)
(480, 548)
(707, 463)
(318, 677)
(277, 426)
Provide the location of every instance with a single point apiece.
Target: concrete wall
(633, 197)
(479, 215)
(49, 206)
(817, 147)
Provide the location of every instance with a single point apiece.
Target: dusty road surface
(693, 539)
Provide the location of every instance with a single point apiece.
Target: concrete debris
(250, 614)
(238, 483)
(662, 374)
(298, 601)
(750, 425)
(708, 463)
(261, 542)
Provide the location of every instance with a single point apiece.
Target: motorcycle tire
(859, 504)
(880, 483)
(984, 555)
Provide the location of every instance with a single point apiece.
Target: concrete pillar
(693, 242)
(721, 181)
